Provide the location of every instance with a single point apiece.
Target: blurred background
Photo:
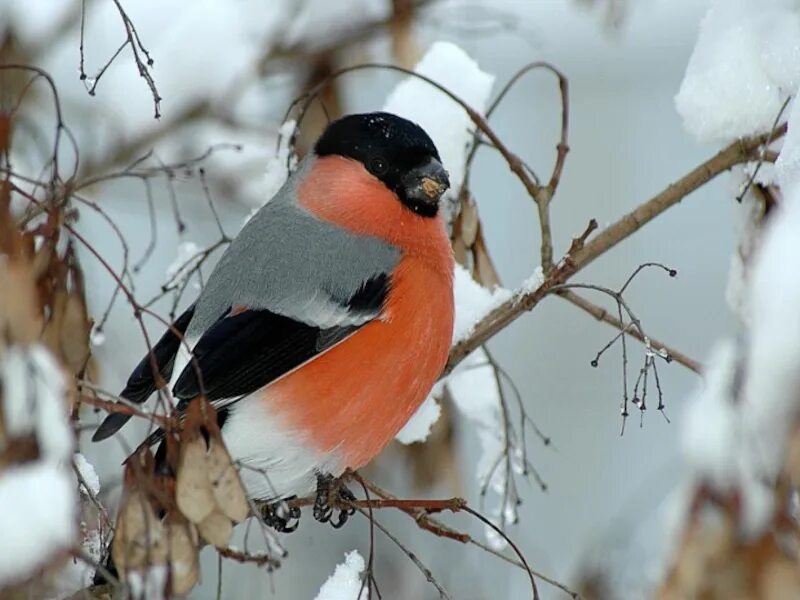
(227, 73)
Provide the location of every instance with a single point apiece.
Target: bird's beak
(425, 184)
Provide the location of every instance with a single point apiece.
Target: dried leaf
(469, 222)
(780, 580)
(18, 303)
(140, 539)
(41, 261)
(216, 529)
(74, 334)
(5, 133)
(51, 336)
(405, 48)
(460, 252)
(193, 490)
(183, 556)
(225, 482)
(793, 458)
(483, 271)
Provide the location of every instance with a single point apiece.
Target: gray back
(292, 263)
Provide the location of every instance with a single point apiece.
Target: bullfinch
(328, 319)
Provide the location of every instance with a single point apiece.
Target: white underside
(273, 461)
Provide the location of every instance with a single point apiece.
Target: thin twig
(601, 314)
(523, 300)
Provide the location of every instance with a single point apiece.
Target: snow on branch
(744, 65)
(345, 583)
(742, 433)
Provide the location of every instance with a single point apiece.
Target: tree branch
(740, 151)
(601, 314)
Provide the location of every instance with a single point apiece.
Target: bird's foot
(281, 515)
(333, 495)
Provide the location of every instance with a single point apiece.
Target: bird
(329, 317)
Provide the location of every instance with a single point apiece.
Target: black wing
(244, 352)
(247, 350)
(141, 382)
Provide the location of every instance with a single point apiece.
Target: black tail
(142, 381)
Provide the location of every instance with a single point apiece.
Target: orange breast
(357, 396)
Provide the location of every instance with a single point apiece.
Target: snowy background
(611, 500)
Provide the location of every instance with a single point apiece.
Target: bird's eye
(378, 166)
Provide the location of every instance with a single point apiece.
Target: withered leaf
(225, 482)
(74, 334)
(469, 222)
(216, 529)
(183, 556)
(483, 270)
(140, 539)
(52, 329)
(193, 489)
(793, 458)
(18, 303)
(41, 261)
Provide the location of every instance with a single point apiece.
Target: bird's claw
(332, 495)
(281, 516)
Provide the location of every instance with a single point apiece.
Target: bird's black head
(396, 151)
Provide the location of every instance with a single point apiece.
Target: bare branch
(740, 151)
(601, 314)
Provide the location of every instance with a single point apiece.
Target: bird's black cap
(395, 150)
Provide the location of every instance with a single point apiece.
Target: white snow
(736, 436)
(77, 574)
(534, 281)
(346, 582)
(278, 166)
(771, 400)
(748, 229)
(446, 122)
(39, 498)
(744, 65)
(774, 353)
(418, 427)
(38, 519)
(88, 474)
(187, 256)
(476, 394)
(318, 21)
(477, 397)
(473, 302)
(712, 426)
(97, 338)
(787, 166)
(33, 401)
(149, 585)
(738, 426)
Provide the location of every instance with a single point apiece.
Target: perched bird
(328, 319)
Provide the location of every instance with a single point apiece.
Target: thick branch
(738, 152)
